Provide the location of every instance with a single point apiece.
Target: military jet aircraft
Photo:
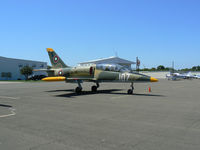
(95, 73)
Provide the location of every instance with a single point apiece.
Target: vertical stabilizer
(56, 61)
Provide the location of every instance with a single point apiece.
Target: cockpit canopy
(112, 67)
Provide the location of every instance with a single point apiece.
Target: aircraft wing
(80, 79)
(70, 80)
(47, 70)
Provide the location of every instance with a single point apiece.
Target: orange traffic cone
(149, 89)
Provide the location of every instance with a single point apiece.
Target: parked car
(36, 77)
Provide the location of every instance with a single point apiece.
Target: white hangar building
(10, 68)
(109, 60)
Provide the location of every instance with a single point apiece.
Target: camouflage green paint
(99, 75)
(56, 61)
(91, 73)
(121, 77)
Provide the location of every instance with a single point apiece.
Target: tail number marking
(124, 76)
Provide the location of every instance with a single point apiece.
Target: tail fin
(55, 59)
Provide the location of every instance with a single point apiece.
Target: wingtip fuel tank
(59, 78)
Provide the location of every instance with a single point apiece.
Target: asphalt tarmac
(50, 116)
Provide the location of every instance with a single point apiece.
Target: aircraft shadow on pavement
(109, 91)
(69, 90)
(73, 94)
(7, 106)
(157, 95)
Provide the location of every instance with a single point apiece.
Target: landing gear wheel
(130, 91)
(78, 90)
(94, 88)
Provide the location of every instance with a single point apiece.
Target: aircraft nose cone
(152, 79)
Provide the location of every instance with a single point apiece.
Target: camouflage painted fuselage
(94, 73)
(91, 73)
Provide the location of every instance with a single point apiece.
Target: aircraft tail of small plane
(56, 61)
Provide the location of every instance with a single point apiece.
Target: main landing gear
(78, 89)
(94, 88)
(130, 91)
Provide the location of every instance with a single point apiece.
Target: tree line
(163, 68)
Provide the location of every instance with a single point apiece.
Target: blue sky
(157, 31)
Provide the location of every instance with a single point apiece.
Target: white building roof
(112, 60)
(13, 66)
(15, 59)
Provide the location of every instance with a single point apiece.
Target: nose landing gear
(130, 91)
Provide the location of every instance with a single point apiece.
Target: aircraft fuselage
(93, 74)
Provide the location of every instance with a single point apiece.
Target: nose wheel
(130, 91)
(78, 90)
(94, 88)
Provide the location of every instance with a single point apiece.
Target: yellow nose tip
(152, 79)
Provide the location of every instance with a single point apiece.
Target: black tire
(78, 90)
(130, 91)
(94, 89)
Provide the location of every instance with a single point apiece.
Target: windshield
(112, 67)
